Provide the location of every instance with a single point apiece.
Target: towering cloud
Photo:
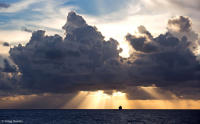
(182, 26)
(168, 61)
(83, 60)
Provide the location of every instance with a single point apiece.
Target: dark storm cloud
(8, 84)
(8, 67)
(170, 62)
(4, 5)
(1, 61)
(141, 44)
(83, 60)
(73, 22)
(6, 44)
(8, 77)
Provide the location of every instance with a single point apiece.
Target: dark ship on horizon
(120, 107)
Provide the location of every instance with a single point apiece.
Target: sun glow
(99, 100)
(103, 100)
(126, 49)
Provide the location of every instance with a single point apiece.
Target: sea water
(62, 116)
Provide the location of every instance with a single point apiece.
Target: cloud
(8, 84)
(150, 92)
(181, 24)
(4, 5)
(18, 6)
(5, 64)
(143, 30)
(6, 44)
(140, 44)
(1, 61)
(33, 101)
(73, 22)
(8, 77)
(193, 4)
(168, 60)
(8, 67)
(84, 60)
(26, 30)
(151, 7)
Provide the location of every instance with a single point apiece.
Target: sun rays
(103, 100)
(98, 100)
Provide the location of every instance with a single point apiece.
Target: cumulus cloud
(182, 26)
(167, 60)
(51, 64)
(83, 60)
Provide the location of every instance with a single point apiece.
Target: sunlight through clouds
(105, 53)
(99, 100)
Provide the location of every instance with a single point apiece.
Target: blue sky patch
(98, 7)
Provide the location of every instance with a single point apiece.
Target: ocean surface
(99, 117)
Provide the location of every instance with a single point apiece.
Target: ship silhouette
(120, 107)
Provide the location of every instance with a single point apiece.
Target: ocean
(63, 116)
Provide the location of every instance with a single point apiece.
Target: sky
(99, 54)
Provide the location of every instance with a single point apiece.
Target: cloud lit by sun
(99, 100)
(64, 50)
(108, 100)
(126, 49)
